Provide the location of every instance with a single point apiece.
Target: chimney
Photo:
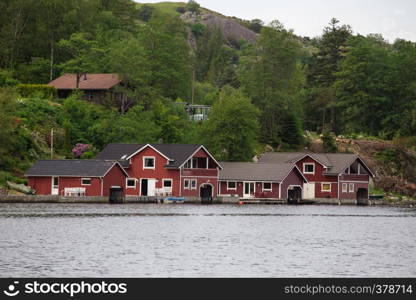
(85, 76)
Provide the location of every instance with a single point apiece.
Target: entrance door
(206, 193)
(362, 196)
(143, 185)
(249, 189)
(151, 187)
(55, 186)
(148, 187)
(309, 190)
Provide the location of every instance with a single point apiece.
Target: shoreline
(218, 200)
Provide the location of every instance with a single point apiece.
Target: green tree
(192, 6)
(363, 86)
(145, 12)
(272, 78)
(321, 69)
(328, 142)
(232, 128)
(83, 54)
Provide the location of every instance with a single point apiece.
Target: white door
(249, 189)
(309, 190)
(151, 186)
(55, 186)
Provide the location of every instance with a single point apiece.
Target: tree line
(267, 93)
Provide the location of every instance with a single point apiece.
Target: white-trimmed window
(85, 181)
(325, 187)
(351, 187)
(130, 183)
(309, 168)
(231, 185)
(167, 183)
(148, 162)
(267, 186)
(193, 184)
(345, 187)
(186, 184)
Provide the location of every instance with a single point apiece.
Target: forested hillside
(269, 87)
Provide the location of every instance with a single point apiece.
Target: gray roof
(71, 167)
(336, 162)
(254, 171)
(178, 153)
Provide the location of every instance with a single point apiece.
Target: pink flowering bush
(80, 149)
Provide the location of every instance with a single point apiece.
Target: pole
(52, 143)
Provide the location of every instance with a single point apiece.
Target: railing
(162, 192)
(200, 172)
(74, 192)
(354, 177)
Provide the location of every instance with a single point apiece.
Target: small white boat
(170, 200)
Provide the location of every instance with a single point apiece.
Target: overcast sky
(392, 18)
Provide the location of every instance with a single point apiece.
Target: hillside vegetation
(268, 86)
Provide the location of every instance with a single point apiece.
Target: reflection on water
(72, 240)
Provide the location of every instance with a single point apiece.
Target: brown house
(97, 88)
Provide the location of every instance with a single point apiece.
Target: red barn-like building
(178, 170)
(261, 180)
(329, 175)
(73, 177)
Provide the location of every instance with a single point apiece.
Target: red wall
(318, 178)
(115, 177)
(90, 190)
(259, 190)
(294, 178)
(200, 181)
(160, 172)
(42, 185)
(202, 175)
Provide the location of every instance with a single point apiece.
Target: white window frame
(228, 185)
(345, 187)
(154, 162)
(85, 178)
(308, 164)
(351, 190)
(167, 179)
(322, 187)
(131, 187)
(186, 184)
(192, 183)
(267, 190)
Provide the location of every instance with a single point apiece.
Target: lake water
(146, 240)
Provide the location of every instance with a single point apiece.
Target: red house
(261, 180)
(166, 169)
(329, 175)
(76, 177)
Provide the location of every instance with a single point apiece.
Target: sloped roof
(177, 153)
(92, 82)
(336, 163)
(71, 167)
(255, 171)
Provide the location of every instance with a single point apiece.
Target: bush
(328, 142)
(192, 6)
(41, 90)
(181, 9)
(6, 79)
